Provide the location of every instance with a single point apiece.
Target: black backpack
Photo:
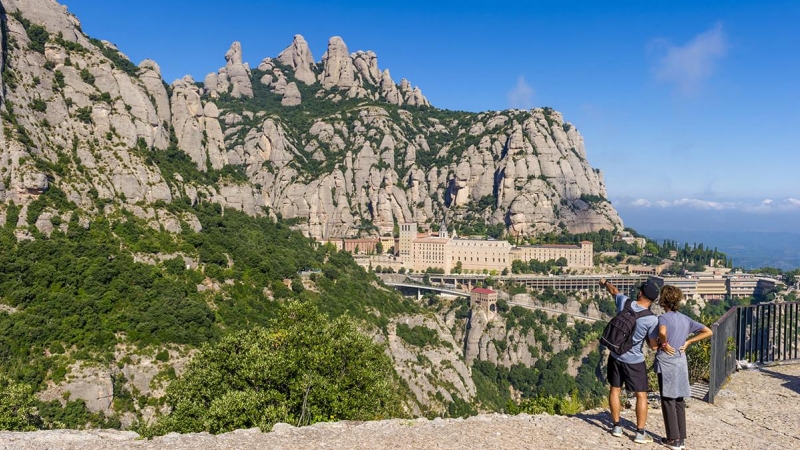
(618, 334)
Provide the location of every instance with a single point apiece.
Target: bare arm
(704, 334)
(662, 340)
(652, 343)
(662, 333)
(609, 287)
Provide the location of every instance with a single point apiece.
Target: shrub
(17, 406)
(304, 368)
(58, 77)
(162, 356)
(87, 76)
(38, 36)
(38, 105)
(84, 114)
(417, 336)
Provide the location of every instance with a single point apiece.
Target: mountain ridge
(336, 145)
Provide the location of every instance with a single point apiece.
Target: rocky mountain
(116, 181)
(336, 144)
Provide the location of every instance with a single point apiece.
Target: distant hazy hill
(747, 249)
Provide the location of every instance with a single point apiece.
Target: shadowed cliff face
(335, 144)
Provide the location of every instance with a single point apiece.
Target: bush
(417, 336)
(562, 406)
(38, 105)
(38, 36)
(58, 77)
(162, 356)
(17, 406)
(84, 114)
(87, 76)
(302, 369)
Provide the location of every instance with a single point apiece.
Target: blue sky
(691, 109)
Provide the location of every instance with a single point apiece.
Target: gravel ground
(758, 409)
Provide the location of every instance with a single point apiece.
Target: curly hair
(670, 297)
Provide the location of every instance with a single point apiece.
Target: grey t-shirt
(679, 328)
(645, 326)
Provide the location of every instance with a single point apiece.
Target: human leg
(680, 412)
(669, 412)
(641, 410)
(635, 376)
(614, 377)
(671, 421)
(614, 404)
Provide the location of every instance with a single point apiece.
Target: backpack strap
(628, 305)
(639, 314)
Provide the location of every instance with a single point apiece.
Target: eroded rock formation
(361, 150)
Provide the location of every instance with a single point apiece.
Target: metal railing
(761, 333)
(722, 359)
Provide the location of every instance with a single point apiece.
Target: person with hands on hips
(674, 331)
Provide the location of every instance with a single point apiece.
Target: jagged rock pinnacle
(298, 56)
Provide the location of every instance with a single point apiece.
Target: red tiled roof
(479, 290)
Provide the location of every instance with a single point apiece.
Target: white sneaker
(642, 438)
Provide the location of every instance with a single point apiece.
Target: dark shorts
(634, 376)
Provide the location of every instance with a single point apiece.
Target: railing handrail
(764, 332)
(725, 316)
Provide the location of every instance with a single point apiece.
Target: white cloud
(687, 66)
(521, 96)
(703, 204)
(755, 206)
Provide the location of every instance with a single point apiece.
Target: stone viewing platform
(757, 409)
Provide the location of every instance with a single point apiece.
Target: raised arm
(610, 288)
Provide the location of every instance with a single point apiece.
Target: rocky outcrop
(234, 78)
(196, 125)
(389, 90)
(298, 57)
(442, 365)
(93, 385)
(743, 417)
(337, 66)
(150, 74)
(366, 65)
(383, 157)
(291, 95)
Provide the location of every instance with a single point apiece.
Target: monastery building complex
(419, 252)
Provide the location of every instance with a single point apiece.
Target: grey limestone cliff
(336, 145)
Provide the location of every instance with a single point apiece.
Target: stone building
(444, 252)
(579, 256)
(479, 254)
(360, 246)
(482, 299)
